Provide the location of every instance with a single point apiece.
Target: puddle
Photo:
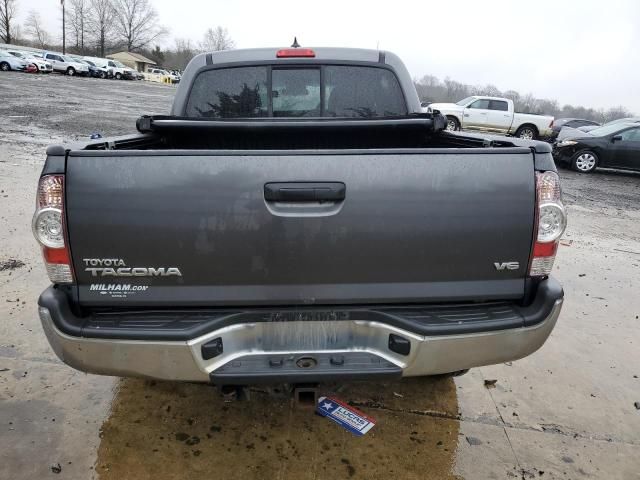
(164, 430)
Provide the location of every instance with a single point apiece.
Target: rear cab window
(498, 105)
(338, 91)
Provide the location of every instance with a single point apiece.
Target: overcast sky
(579, 52)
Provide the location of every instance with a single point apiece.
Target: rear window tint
(345, 91)
(229, 93)
(296, 92)
(362, 92)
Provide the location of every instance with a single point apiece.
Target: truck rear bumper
(386, 342)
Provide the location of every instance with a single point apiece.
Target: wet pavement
(567, 411)
(164, 430)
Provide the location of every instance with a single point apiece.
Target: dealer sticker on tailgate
(344, 415)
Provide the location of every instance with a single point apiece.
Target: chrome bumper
(183, 360)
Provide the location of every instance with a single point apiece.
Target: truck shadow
(166, 430)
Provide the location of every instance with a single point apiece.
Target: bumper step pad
(300, 368)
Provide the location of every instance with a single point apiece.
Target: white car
(161, 75)
(493, 114)
(121, 71)
(67, 65)
(41, 64)
(10, 62)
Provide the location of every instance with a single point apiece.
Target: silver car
(42, 65)
(9, 62)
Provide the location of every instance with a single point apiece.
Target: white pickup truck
(493, 114)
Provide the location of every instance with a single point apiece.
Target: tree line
(92, 26)
(100, 27)
(432, 89)
(183, 50)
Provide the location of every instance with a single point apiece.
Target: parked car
(31, 68)
(103, 65)
(616, 145)
(493, 114)
(11, 62)
(238, 240)
(155, 74)
(121, 71)
(176, 75)
(66, 65)
(41, 64)
(612, 122)
(95, 70)
(560, 123)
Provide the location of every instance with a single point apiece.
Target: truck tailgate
(193, 228)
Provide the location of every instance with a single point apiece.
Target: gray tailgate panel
(413, 227)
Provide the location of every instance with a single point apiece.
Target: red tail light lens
(295, 52)
(50, 230)
(551, 222)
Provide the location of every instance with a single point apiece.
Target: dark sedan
(612, 146)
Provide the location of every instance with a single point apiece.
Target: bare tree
(137, 23)
(430, 81)
(216, 39)
(455, 90)
(7, 14)
(100, 21)
(487, 90)
(77, 20)
(179, 57)
(512, 95)
(616, 112)
(35, 29)
(16, 33)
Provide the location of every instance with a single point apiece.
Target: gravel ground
(565, 412)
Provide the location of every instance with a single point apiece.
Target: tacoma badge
(104, 267)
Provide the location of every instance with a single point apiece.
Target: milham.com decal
(117, 290)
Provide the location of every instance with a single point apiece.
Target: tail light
(50, 230)
(551, 221)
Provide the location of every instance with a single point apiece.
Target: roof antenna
(295, 43)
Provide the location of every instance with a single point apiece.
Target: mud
(573, 400)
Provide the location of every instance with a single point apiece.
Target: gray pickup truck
(296, 218)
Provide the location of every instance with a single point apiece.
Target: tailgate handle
(305, 192)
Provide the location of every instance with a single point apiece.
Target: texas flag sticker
(344, 415)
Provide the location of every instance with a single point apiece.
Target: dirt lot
(565, 412)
